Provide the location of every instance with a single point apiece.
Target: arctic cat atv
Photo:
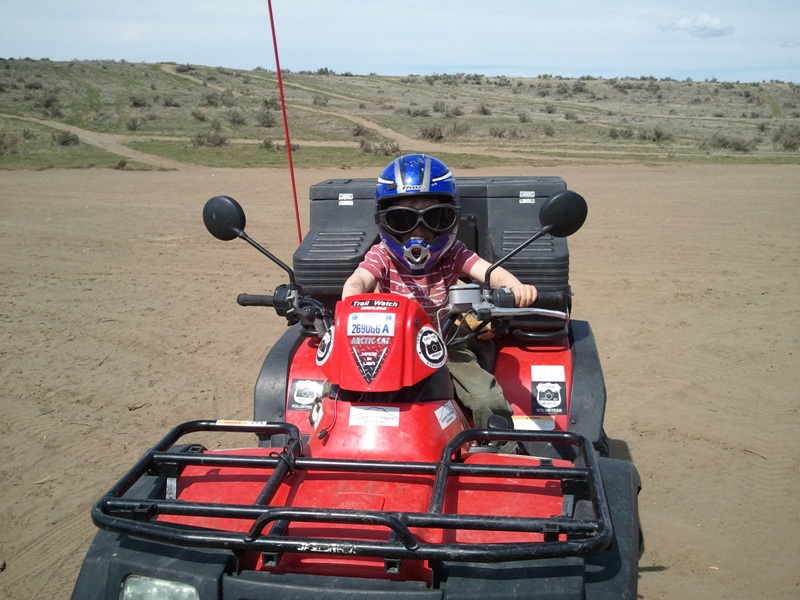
(363, 476)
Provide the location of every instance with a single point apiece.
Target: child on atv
(417, 210)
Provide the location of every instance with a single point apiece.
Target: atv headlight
(138, 587)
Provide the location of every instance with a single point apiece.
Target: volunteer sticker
(548, 390)
(303, 393)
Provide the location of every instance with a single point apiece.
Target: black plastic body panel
(588, 396)
(497, 214)
(269, 396)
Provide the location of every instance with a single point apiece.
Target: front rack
(562, 535)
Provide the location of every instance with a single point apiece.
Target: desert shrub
(657, 135)
(65, 138)
(184, 68)
(199, 115)
(483, 109)
(266, 118)
(432, 133)
(211, 99)
(453, 111)
(730, 142)
(523, 116)
(139, 101)
(389, 148)
(384, 148)
(787, 137)
(236, 117)
(497, 132)
(363, 131)
(579, 87)
(8, 142)
(213, 138)
(171, 103)
(457, 129)
(562, 89)
(134, 124)
(415, 111)
(320, 101)
(267, 145)
(273, 103)
(50, 104)
(549, 130)
(549, 108)
(439, 106)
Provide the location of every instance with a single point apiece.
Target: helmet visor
(400, 220)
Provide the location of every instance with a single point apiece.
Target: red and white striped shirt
(430, 290)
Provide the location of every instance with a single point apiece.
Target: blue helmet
(420, 176)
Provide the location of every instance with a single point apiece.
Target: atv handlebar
(255, 300)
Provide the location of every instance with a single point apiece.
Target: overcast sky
(732, 40)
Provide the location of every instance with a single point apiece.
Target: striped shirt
(431, 289)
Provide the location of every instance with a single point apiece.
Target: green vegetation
(225, 117)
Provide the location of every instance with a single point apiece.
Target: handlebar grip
(550, 298)
(254, 300)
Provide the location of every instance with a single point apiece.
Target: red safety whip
(285, 124)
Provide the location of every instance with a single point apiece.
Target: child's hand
(524, 295)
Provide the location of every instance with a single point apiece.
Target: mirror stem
(270, 256)
(543, 231)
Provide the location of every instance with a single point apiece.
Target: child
(417, 210)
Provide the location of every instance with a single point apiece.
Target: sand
(119, 320)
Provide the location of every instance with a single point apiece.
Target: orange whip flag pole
(285, 123)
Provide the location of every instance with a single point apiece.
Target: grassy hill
(67, 114)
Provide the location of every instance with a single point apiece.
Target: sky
(730, 40)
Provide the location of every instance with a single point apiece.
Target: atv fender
(588, 401)
(270, 389)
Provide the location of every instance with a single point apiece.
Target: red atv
(365, 477)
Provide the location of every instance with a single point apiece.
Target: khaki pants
(476, 388)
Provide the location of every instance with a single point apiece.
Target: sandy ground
(119, 320)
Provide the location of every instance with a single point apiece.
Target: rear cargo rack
(125, 509)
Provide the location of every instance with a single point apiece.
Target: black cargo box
(497, 213)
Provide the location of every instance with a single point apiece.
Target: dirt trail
(113, 143)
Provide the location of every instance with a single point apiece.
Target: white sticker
(548, 373)
(430, 348)
(532, 424)
(548, 395)
(527, 197)
(372, 324)
(325, 347)
(345, 199)
(446, 414)
(380, 416)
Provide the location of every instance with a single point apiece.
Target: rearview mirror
(563, 213)
(224, 218)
